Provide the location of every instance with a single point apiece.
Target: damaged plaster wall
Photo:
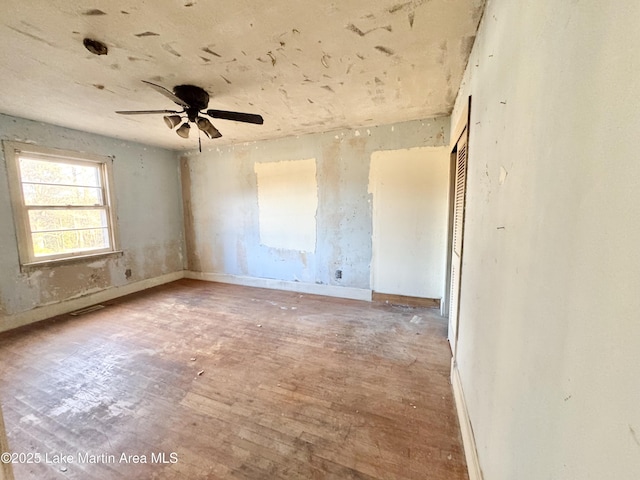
(149, 217)
(549, 337)
(222, 210)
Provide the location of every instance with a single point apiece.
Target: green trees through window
(65, 206)
(61, 203)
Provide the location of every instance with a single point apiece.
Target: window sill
(31, 266)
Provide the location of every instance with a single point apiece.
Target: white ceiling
(305, 66)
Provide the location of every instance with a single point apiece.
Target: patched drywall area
(287, 204)
(224, 217)
(549, 337)
(410, 208)
(148, 211)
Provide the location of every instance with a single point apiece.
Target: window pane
(49, 220)
(61, 195)
(42, 171)
(52, 243)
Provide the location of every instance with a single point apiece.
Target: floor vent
(82, 311)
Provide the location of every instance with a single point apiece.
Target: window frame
(12, 153)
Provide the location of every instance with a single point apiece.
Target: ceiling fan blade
(167, 93)
(236, 116)
(144, 112)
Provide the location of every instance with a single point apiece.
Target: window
(61, 203)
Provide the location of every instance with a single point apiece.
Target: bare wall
(410, 190)
(549, 337)
(222, 209)
(149, 216)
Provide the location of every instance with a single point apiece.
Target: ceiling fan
(194, 100)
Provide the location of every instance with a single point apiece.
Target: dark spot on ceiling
(75, 33)
(355, 30)
(282, 44)
(378, 81)
(115, 66)
(211, 52)
(189, 4)
(95, 46)
(273, 59)
(226, 79)
(94, 11)
(147, 34)
(412, 17)
(206, 59)
(98, 86)
(136, 59)
(361, 57)
(124, 12)
(295, 30)
(168, 48)
(385, 50)
(399, 7)
(328, 88)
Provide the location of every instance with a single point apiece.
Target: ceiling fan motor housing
(195, 97)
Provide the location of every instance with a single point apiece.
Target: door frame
(463, 123)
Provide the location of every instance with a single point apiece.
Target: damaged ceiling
(304, 66)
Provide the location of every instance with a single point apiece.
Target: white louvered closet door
(457, 233)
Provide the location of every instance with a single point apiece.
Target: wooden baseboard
(405, 300)
(466, 429)
(310, 288)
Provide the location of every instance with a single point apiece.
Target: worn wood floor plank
(215, 381)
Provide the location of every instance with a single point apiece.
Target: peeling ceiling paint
(304, 66)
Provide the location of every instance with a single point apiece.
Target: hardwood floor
(233, 383)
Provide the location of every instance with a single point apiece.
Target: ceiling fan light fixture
(172, 121)
(183, 131)
(206, 126)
